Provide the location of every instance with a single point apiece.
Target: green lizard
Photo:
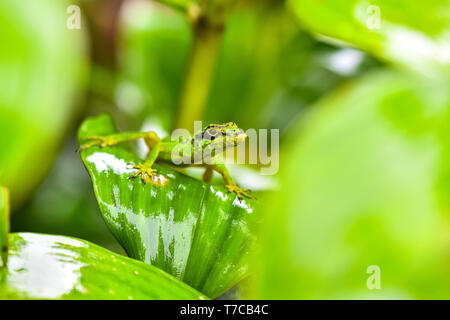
(203, 149)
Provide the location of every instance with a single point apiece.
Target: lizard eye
(210, 134)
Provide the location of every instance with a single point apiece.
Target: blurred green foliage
(362, 105)
(154, 45)
(413, 34)
(365, 182)
(42, 71)
(268, 70)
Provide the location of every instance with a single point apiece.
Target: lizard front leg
(145, 170)
(229, 182)
(150, 138)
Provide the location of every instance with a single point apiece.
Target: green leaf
(42, 67)
(365, 182)
(194, 231)
(4, 225)
(56, 267)
(412, 33)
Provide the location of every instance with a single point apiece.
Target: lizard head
(227, 135)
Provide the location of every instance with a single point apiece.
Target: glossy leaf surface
(195, 231)
(56, 267)
(414, 34)
(364, 196)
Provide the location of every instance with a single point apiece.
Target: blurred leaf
(247, 74)
(413, 33)
(195, 231)
(154, 49)
(268, 70)
(56, 267)
(178, 4)
(4, 225)
(70, 208)
(42, 64)
(365, 181)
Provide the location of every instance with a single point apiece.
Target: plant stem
(4, 226)
(200, 69)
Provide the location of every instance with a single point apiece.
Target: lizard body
(211, 141)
